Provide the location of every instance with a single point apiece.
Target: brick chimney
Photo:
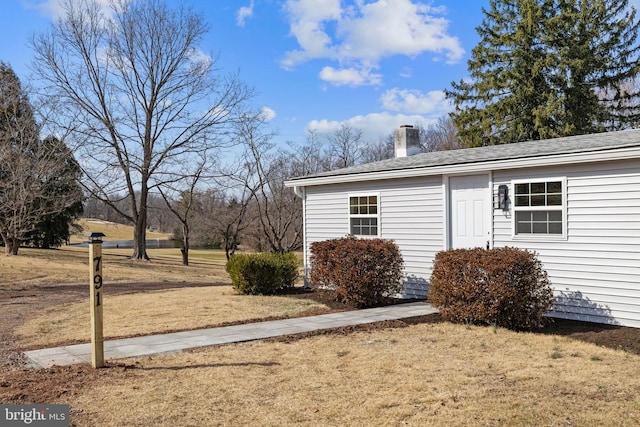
(407, 141)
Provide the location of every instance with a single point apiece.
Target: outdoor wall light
(503, 197)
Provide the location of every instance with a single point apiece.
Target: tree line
(141, 121)
(549, 68)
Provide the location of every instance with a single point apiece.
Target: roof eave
(472, 167)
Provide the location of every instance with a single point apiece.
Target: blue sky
(317, 64)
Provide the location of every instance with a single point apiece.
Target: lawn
(112, 231)
(433, 373)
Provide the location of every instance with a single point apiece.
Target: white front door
(470, 209)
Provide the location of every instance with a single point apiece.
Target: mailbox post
(96, 298)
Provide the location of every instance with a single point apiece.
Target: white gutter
(298, 190)
(472, 167)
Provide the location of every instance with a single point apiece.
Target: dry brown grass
(70, 266)
(428, 374)
(155, 312)
(112, 231)
(137, 313)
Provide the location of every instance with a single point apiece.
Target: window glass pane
(539, 228)
(354, 228)
(373, 200)
(523, 228)
(555, 216)
(555, 228)
(373, 210)
(522, 188)
(554, 200)
(363, 226)
(538, 188)
(539, 216)
(538, 200)
(373, 226)
(554, 187)
(353, 205)
(523, 222)
(522, 200)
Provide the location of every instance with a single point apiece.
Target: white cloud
(349, 77)
(55, 8)
(374, 126)
(244, 13)
(401, 27)
(406, 73)
(197, 56)
(416, 102)
(360, 35)
(307, 19)
(268, 114)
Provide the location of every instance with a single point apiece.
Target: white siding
(411, 214)
(595, 272)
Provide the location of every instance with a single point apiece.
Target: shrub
(262, 273)
(362, 272)
(504, 287)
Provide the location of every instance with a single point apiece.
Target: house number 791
(97, 279)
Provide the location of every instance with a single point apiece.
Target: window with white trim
(363, 215)
(539, 208)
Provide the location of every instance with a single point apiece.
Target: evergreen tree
(36, 177)
(549, 68)
(53, 228)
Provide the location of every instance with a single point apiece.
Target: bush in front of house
(362, 272)
(504, 287)
(262, 273)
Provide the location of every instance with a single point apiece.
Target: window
(539, 208)
(363, 215)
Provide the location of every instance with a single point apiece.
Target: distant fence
(151, 244)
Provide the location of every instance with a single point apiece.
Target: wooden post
(96, 299)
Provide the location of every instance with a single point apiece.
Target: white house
(575, 201)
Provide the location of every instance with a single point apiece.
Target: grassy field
(140, 311)
(70, 265)
(152, 312)
(112, 231)
(430, 374)
(425, 374)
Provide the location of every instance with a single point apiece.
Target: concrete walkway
(179, 341)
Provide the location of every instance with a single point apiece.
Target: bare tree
(624, 101)
(310, 157)
(231, 217)
(183, 205)
(160, 216)
(345, 146)
(382, 150)
(136, 96)
(279, 214)
(36, 176)
(439, 136)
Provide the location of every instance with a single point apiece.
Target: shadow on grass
(199, 366)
